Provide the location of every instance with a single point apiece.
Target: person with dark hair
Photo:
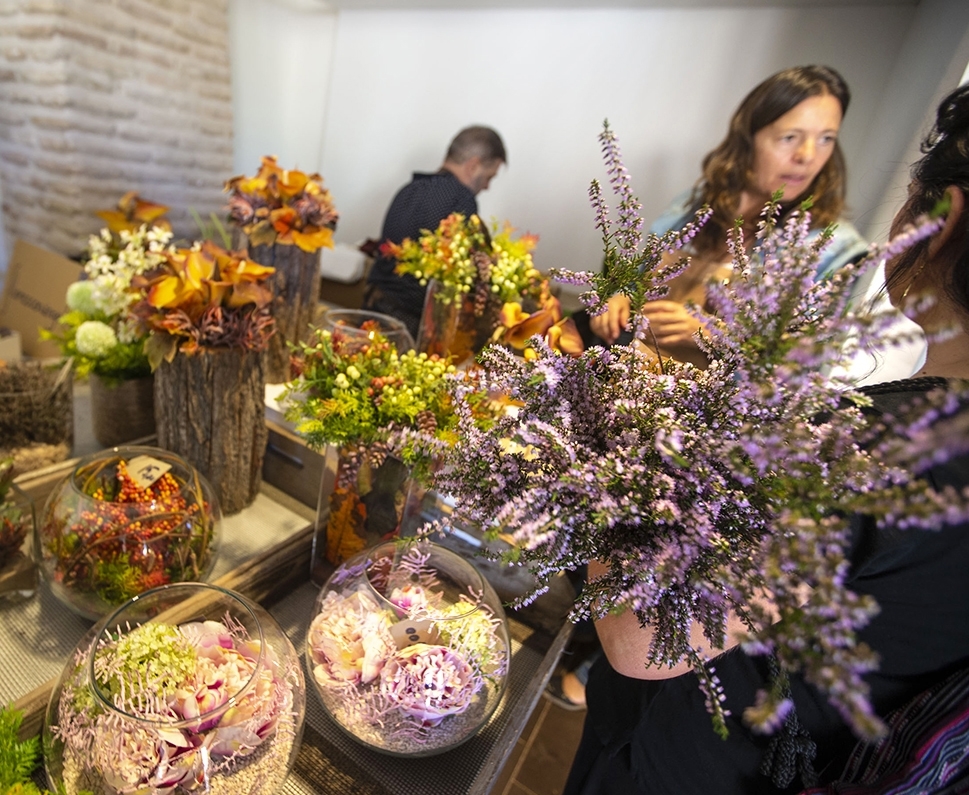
(647, 730)
(472, 161)
(783, 137)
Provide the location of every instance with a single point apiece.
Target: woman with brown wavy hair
(784, 136)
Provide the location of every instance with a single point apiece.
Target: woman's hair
(728, 169)
(944, 162)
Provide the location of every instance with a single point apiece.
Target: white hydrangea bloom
(80, 297)
(94, 338)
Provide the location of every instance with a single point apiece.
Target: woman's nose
(806, 151)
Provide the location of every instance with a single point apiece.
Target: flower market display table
(265, 555)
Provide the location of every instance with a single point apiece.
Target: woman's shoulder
(676, 214)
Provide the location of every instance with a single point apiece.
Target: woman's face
(791, 151)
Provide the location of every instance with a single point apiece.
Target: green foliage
(356, 390)
(117, 581)
(17, 759)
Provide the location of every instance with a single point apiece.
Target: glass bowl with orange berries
(124, 521)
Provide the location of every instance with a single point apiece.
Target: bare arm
(626, 643)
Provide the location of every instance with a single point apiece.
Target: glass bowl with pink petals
(408, 648)
(185, 688)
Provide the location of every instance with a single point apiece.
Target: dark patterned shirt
(421, 204)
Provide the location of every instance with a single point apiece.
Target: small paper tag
(145, 470)
(406, 633)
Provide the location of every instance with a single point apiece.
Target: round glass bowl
(361, 323)
(408, 648)
(109, 532)
(185, 688)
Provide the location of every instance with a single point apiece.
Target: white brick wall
(99, 97)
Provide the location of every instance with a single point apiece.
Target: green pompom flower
(80, 298)
(95, 338)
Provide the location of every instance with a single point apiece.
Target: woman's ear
(953, 220)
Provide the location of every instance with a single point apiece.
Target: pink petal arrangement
(399, 665)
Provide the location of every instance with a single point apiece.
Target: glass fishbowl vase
(453, 325)
(187, 688)
(359, 325)
(408, 649)
(122, 522)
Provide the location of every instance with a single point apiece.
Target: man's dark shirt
(421, 204)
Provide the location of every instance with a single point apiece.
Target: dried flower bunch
(15, 518)
(462, 255)
(703, 490)
(109, 538)
(283, 206)
(203, 298)
(402, 691)
(101, 334)
(190, 702)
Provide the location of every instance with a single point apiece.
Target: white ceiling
(413, 5)
(463, 5)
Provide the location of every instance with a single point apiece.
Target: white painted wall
(369, 96)
(667, 79)
(281, 58)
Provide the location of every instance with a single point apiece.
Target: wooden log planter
(296, 289)
(210, 409)
(122, 411)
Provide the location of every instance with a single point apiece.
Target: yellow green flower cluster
(462, 255)
(357, 389)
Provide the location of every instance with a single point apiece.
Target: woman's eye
(828, 140)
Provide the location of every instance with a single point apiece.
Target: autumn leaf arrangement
(99, 330)
(204, 298)
(492, 268)
(282, 206)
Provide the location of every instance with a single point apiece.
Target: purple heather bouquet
(703, 490)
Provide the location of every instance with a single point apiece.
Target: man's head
(474, 157)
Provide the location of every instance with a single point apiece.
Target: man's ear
(953, 220)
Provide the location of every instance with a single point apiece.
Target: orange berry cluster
(130, 523)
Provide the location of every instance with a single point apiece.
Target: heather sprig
(717, 491)
(637, 268)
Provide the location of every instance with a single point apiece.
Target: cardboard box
(33, 295)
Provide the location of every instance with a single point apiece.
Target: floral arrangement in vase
(109, 533)
(213, 704)
(406, 659)
(282, 206)
(101, 334)
(700, 490)
(462, 255)
(354, 392)
(202, 298)
(482, 273)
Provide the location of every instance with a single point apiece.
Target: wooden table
(265, 556)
